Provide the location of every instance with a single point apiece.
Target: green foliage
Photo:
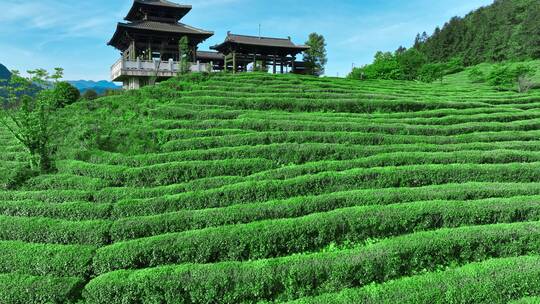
(44, 230)
(144, 226)
(495, 281)
(410, 62)
(259, 240)
(508, 77)
(45, 259)
(385, 66)
(29, 114)
(432, 72)
(454, 65)
(185, 55)
(316, 57)
(476, 75)
(24, 289)
(65, 94)
(327, 271)
(276, 187)
(258, 191)
(90, 94)
(505, 30)
(402, 65)
(19, 176)
(527, 300)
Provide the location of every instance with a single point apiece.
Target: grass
(260, 188)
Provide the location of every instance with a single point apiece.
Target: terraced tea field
(259, 188)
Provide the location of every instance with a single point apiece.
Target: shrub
(476, 75)
(492, 282)
(432, 71)
(90, 95)
(508, 76)
(19, 177)
(24, 289)
(312, 274)
(45, 259)
(454, 65)
(76, 211)
(527, 300)
(65, 94)
(144, 226)
(43, 230)
(275, 238)
(326, 182)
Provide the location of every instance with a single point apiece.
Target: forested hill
(505, 30)
(4, 72)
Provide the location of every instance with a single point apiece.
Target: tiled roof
(262, 41)
(165, 27)
(163, 3)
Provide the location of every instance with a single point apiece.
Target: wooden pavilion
(241, 50)
(149, 42)
(150, 52)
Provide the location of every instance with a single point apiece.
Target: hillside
(505, 30)
(462, 78)
(260, 188)
(4, 72)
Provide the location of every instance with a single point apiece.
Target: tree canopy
(505, 30)
(316, 57)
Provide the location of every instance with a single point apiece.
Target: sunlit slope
(462, 78)
(254, 188)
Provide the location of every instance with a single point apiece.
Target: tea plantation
(255, 188)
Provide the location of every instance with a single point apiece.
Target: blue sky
(73, 34)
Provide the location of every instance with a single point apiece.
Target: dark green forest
(505, 30)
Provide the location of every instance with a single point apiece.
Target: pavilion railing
(124, 67)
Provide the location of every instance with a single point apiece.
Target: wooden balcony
(124, 69)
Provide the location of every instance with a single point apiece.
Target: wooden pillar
(225, 63)
(132, 54)
(281, 65)
(263, 64)
(254, 62)
(292, 64)
(274, 68)
(234, 62)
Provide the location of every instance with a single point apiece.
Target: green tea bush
(326, 182)
(44, 230)
(313, 274)
(275, 238)
(45, 259)
(144, 226)
(496, 281)
(527, 300)
(76, 211)
(24, 289)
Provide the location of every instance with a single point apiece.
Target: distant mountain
(99, 86)
(4, 72)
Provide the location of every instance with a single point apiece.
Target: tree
(454, 65)
(476, 75)
(508, 77)
(410, 62)
(385, 66)
(316, 57)
(66, 94)
(431, 72)
(90, 95)
(28, 117)
(185, 55)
